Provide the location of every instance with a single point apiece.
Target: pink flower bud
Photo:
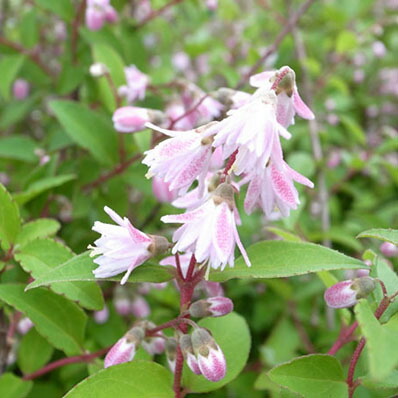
(110, 14)
(346, 293)
(211, 360)
(379, 49)
(101, 316)
(334, 159)
(162, 192)
(154, 345)
(171, 353)
(20, 89)
(213, 306)
(95, 18)
(24, 325)
(213, 288)
(140, 308)
(124, 350)
(122, 306)
(130, 119)
(388, 249)
(187, 351)
(212, 4)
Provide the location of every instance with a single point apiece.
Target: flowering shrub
(185, 211)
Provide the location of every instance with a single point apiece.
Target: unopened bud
(213, 306)
(24, 325)
(129, 119)
(211, 360)
(171, 353)
(187, 351)
(20, 89)
(224, 193)
(159, 245)
(102, 316)
(98, 69)
(125, 348)
(140, 307)
(389, 249)
(154, 345)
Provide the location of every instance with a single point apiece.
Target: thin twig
(75, 29)
(278, 40)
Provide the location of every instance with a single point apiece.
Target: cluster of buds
(98, 12)
(347, 293)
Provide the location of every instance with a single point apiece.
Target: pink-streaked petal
(189, 216)
(136, 262)
(192, 363)
(223, 235)
(283, 187)
(121, 352)
(169, 133)
(241, 247)
(136, 235)
(213, 367)
(300, 107)
(253, 193)
(298, 177)
(261, 79)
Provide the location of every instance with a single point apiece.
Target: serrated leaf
(80, 268)
(12, 386)
(10, 222)
(18, 147)
(40, 186)
(56, 318)
(381, 342)
(278, 259)
(313, 376)
(388, 235)
(41, 228)
(232, 335)
(33, 352)
(88, 129)
(9, 68)
(43, 255)
(136, 379)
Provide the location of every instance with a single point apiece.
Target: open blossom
(252, 130)
(289, 101)
(209, 231)
(98, 12)
(137, 82)
(122, 247)
(181, 159)
(125, 348)
(274, 188)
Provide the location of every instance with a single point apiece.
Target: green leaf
(18, 147)
(41, 186)
(33, 352)
(285, 235)
(87, 129)
(381, 342)
(42, 256)
(13, 387)
(10, 222)
(9, 69)
(232, 335)
(263, 382)
(389, 382)
(313, 376)
(41, 228)
(14, 111)
(278, 259)
(56, 318)
(63, 8)
(354, 128)
(80, 268)
(346, 41)
(388, 235)
(136, 379)
(108, 56)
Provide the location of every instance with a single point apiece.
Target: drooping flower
(209, 231)
(171, 353)
(137, 83)
(210, 358)
(181, 159)
(289, 101)
(346, 293)
(122, 247)
(125, 348)
(154, 345)
(189, 356)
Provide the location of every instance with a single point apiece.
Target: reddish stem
(178, 265)
(351, 370)
(229, 165)
(65, 361)
(75, 29)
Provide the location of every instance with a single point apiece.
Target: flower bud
(211, 360)
(187, 351)
(98, 69)
(389, 249)
(20, 89)
(346, 293)
(213, 306)
(24, 325)
(171, 353)
(162, 192)
(140, 307)
(124, 350)
(95, 18)
(154, 345)
(102, 316)
(130, 119)
(110, 14)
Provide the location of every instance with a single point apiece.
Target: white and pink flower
(122, 248)
(98, 12)
(137, 83)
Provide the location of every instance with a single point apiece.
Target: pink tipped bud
(388, 249)
(162, 191)
(211, 360)
(102, 316)
(24, 325)
(171, 353)
(122, 306)
(20, 89)
(346, 293)
(95, 18)
(213, 288)
(140, 307)
(154, 345)
(187, 351)
(213, 306)
(124, 350)
(110, 14)
(363, 272)
(130, 119)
